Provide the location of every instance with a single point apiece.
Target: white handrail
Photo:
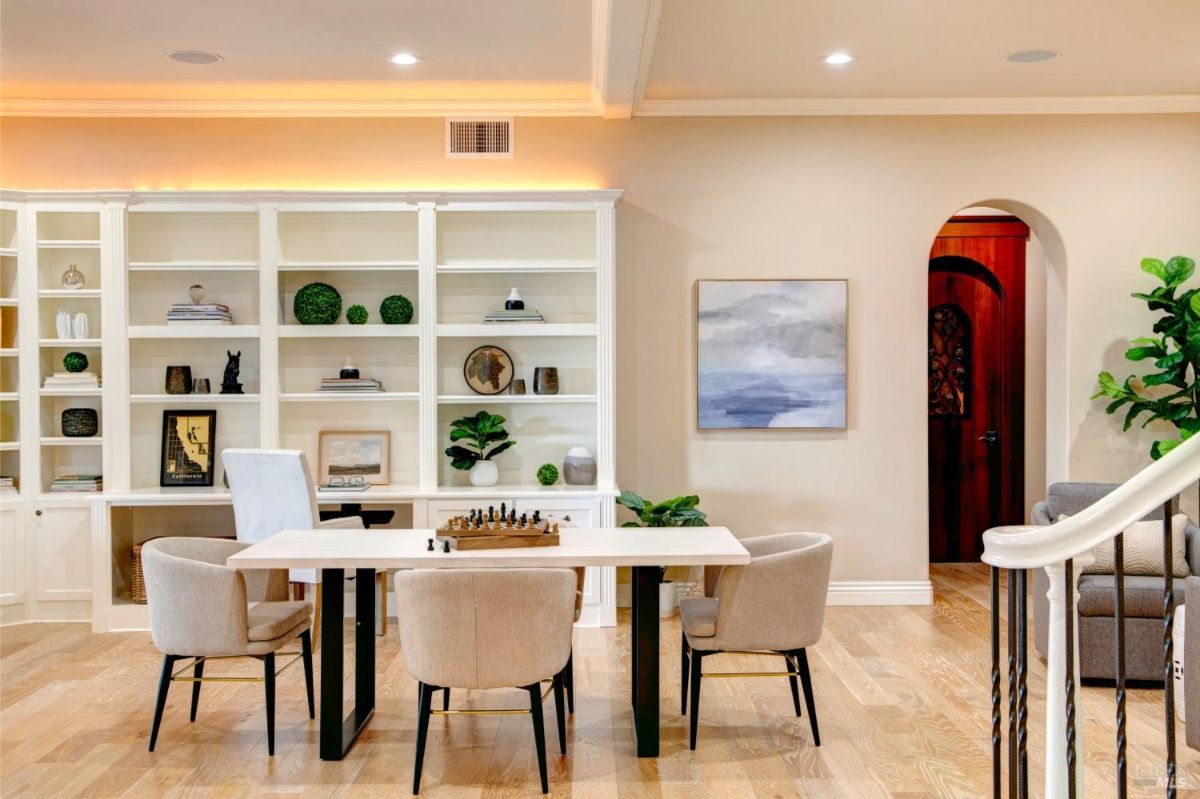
(1027, 547)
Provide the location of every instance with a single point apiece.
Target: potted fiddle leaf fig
(1170, 393)
(678, 512)
(476, 441)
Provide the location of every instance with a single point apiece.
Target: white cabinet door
(12, 553)
(578, 513)
(442, 510)
(62, 553)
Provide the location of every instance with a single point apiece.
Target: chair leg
(697, 675)
(569, 682)
(269, 683)
(445, 699)
(539, 731)
(424, 707)
(197, 673)
(306, 653)
(559, 711)
(382, 579)
(806, 679)
(164, 683)
(792, 669)
(316, 627)
(683, 675)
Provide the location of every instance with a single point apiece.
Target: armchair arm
(196, 608)
(1041, 514)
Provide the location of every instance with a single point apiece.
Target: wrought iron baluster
(996, 732)
(1070, 678)
(1012, 683)
(1022, 684)
(1119, 562)
(1169, 645)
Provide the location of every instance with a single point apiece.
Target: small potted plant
(677, 512)
(471, 437)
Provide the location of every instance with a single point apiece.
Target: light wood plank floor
(902, 697)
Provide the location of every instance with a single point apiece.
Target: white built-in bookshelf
(455, 256)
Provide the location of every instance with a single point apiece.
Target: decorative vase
(79, 325)
(349, 371)
(579, 467)
(514, 301)
(484, 473)
(179, 380)
(80, 422)
(666, 599)
(201, 385)
(73, 278)
(196, 292)
(62, 323)
(518, 386)
(545, 380)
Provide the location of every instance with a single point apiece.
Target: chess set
(496, 530)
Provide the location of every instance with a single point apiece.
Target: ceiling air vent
(490, 137)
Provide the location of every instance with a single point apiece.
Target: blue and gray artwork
(771, 353)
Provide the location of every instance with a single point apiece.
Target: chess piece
(503, 512)
(491, 513)
(430, 549)
(537, 518)
(522, 520)
(445, 546)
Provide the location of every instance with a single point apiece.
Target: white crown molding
(921, 106)
(295, 108)
(248, 198)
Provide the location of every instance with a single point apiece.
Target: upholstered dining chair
(202, 610)
(482, 629)
(775, 603)
(273, 490)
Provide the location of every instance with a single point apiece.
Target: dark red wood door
(976, 331)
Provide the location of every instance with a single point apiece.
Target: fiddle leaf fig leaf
(1153, 266)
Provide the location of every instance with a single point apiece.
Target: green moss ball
(396, 310)
(75, 362)
(547, 474)
(317, 304)
(356, 315)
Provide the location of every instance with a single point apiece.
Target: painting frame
(376, 439)
(838, 420)
(173, 451)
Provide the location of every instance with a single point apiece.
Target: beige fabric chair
(201, 609)
(776, 603)
(487, 628)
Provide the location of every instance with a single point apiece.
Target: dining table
(646, 550)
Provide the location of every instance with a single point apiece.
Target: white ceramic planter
(666, 599)
(484, 473)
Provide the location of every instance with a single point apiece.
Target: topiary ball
(75, 362)
(317, 304)
(356, 315)
(396, 310)
(547, 474)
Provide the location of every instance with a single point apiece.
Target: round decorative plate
(488, 370)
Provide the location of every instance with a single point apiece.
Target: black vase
(80, 422)
(179, 380)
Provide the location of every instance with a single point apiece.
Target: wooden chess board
(494, 531)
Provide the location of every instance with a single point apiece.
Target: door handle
(990, 437)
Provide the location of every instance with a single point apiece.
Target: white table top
(408, 549)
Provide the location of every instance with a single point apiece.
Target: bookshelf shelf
(349, 331)
(351, 396)
(505, 329)
(193, 331)
(67, 441)
(193, 399)
(193, 266)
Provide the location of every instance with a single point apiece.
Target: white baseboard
(846, 592)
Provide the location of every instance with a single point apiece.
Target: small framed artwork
(354, 453)
(188, 441)
(771, 354)
(488, 370)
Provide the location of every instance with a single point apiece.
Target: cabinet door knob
(37, 512)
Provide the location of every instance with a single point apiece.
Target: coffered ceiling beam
(623, 34)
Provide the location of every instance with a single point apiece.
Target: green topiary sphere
(317, 304)
(547, 474)
(356, 315)
(396, 310)
(75, 362)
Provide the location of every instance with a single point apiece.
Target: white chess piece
(80, 325)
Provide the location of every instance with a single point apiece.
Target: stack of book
(77, 484)
(523, 315)
(7, 485)
(199, 313)
(72, 381)
(352, 385)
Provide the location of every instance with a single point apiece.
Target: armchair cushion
(1143, 596)
(699, 616)
(1144, 550)
(269, 620)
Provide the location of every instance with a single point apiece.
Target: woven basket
(137, 585)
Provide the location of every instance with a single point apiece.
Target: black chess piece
(430, 549)
(512, 517)
(445, 546)
(522, 519)
(503, 511)
(537, 517)
(471, 518)
(491, 513)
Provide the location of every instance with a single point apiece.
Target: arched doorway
(976, 381)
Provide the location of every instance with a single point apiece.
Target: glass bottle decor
(72, 278)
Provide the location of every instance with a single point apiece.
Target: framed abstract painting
(771, 354)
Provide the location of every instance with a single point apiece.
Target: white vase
(79, 325)
(62, 323)
(666, 599)
(484, 473)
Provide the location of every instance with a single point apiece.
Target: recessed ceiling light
(1032, 56)
(405, 59)
(837, 59)
(194, 57)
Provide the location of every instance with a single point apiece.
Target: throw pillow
(1143, 550)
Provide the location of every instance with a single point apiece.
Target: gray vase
(579, 467)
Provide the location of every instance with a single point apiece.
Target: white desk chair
(273, 490)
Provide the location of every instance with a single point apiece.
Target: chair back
(485, 628)
(272, 490)
(777, 601)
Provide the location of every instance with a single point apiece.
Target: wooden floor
(902, 697)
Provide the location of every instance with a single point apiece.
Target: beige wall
(859, 198)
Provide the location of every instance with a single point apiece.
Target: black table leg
(338, 733)
(645, 659)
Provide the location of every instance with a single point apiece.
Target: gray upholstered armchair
(200, 609)
(1191, 662)
(1097, 629)
(775, 603)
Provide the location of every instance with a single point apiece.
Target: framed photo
(188, 440)
(771, 354)
(354, 453)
